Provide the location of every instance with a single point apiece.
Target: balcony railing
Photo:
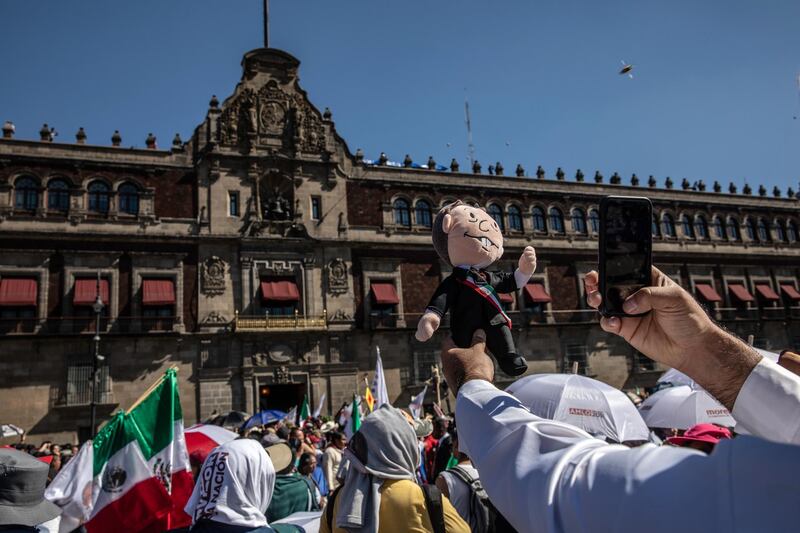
(280, 323)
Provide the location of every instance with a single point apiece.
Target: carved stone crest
(280, 353)
(215, 318)
(273, 116)
(213, 276)
(338, 282)
(282, 375)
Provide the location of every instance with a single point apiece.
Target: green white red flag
(140, 473)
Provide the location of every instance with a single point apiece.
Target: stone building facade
(266, 261)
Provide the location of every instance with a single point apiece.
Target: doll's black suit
(460, 293)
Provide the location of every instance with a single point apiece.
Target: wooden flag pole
(150, 389)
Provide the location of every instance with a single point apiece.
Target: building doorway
(282, 396)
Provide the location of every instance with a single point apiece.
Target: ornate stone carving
(280, 353)
(338, 282)
(282, 375)
(215, 318)
(341, 316)
(213, 276)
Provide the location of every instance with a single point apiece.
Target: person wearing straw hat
(293, 493)
(22, 485)
(547, 476)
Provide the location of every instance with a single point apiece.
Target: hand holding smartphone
(626, 247)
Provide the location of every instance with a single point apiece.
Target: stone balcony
(266, 322)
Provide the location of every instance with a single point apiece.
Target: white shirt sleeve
(768, 405)
(547, 476)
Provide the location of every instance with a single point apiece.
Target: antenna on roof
(266, 23)
(470, 146)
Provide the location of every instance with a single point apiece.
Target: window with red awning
(536, 293)
(158, 292)
(767, 293)
(740, 292)
(279, 291)
(790, 291)
(18, 292)
(708, 292)
(384, 293)
(85, 291)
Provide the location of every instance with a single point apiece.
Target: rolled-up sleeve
(546, 476)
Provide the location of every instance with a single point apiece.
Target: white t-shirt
(459, 491)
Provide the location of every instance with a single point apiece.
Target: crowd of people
(495, 466)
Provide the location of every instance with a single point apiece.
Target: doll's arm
(436, 309)
(505, 283)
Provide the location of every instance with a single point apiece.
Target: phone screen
(625, 249)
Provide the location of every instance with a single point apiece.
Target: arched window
(556, 220)
(668, 225)
(780, 229)
(654, 229)
(733, 229)
(538, 219)
(594, 221)
(402, 214)
(129, 198)
(718, 228)
(763, 231)
(58, 195)
(496, 212)
(791, 231)
(99, 194)
(579, 221)
(701, 227)
(514, 218)
(26, 194)
(751, 229)
(688, 229)
(423, 213)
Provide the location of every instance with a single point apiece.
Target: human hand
(527, 261)
(677, 332)
(426, 326)
(463, 364)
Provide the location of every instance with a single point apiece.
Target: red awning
(708, 292)
(18, 292)
(506, 297)
(790, 291)
(158, 292)
(740, 292)
(280, 291)
(767, 293)
(537, 293)
(85, 291)
(384, 294)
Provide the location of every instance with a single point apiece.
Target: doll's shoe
(513, 365)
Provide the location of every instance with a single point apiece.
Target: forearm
(724, 366)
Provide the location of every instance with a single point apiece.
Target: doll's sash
(488, 293)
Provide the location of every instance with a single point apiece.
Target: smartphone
(626, 248)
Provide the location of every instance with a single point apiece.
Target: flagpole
(150, 389)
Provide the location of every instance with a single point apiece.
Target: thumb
(479, 339)
(649, 298)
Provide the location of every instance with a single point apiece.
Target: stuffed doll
(470, 240)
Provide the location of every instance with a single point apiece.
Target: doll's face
(473, 237)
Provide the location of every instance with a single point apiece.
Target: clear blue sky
(714, 94)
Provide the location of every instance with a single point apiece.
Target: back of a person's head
(283, 432)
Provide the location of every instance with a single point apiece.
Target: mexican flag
(304, 412)
(356, 417)
(142, 478)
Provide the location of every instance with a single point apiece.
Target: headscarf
(234, 486)
(384, 448)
